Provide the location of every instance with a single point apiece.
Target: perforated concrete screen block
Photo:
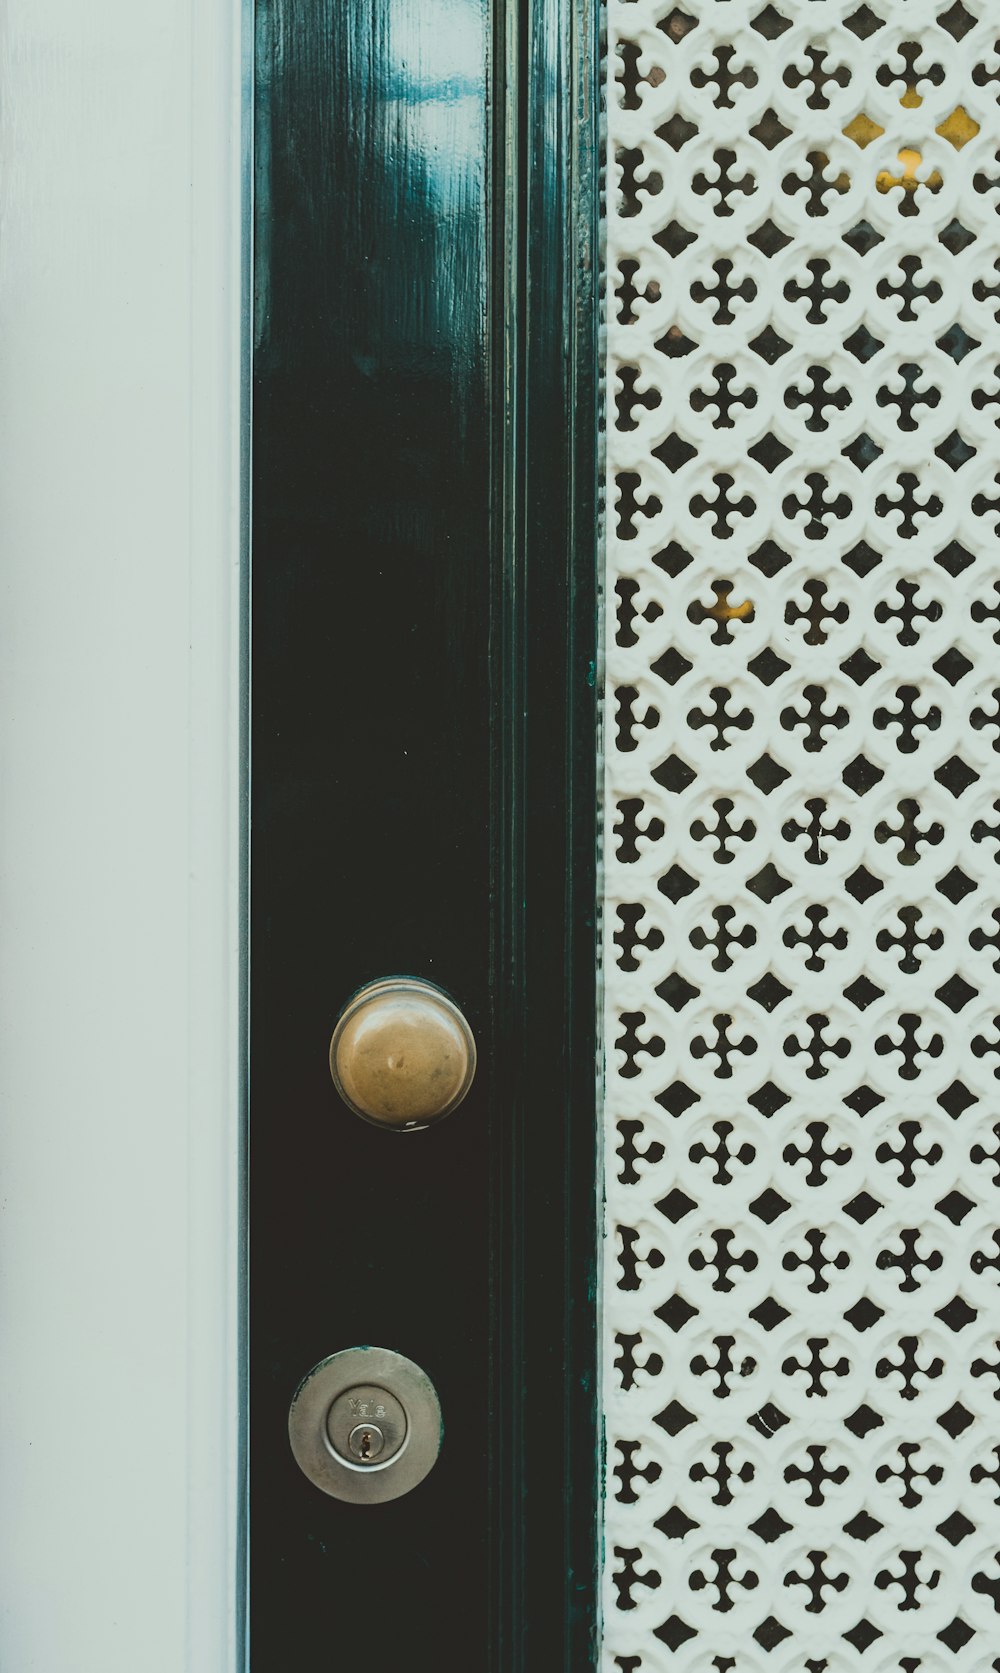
(801, 1314)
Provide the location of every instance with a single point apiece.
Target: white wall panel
(120, 277)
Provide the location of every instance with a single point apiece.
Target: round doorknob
(402, 1053)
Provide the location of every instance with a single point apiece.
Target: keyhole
(366, 1442)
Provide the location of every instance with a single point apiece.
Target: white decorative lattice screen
(801, 1304)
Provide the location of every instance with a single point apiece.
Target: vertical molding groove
(545, 638)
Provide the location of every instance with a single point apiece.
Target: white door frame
(122, 272)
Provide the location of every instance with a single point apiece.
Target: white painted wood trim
(120, 997)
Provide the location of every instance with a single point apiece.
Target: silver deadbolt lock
(365, 1425)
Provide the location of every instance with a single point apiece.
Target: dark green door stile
(546, 522)
(423, 747)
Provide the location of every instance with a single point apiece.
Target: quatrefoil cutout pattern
(802, 1276)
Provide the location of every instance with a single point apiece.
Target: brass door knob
(402, 1054)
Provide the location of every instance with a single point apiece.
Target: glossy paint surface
(546, 519)
(370, 815)
(424, 756)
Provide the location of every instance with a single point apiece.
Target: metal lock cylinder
(365, 1425)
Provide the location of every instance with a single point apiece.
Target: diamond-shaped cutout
(864, 22)
(956, 1420)
(674, 238)
(768, 992)
(863, 1100)
(768, 883)
(863, 129)
(859, 666)
(956, 1099)
(955, 237)
(955, 1528)
(768, 1099)
(860, 775)
(674, 452)
(769, 452)
(863, 993)
(768, 1420)
(958, 127)
(675, 1524)
(676, 992)
(676, 883)
(674, 1632)
(956, 993)
(769, 132)
(676, 1312)
(862, 1526)
(766, 666)
(862, 885)
(956, 1634)
(957, 343)
(769, 1205)
(769, 1313)
(673, 559)
(957, 20)
(955, 451)
(954, 558)
(863, 1421)
(862, 344)
(677, 24)
(767, 774)
(861, 558)
(956, 1314)
(863, 238)
(769, 345)
(676, 1098)
(863, 1635)
(674, 344)
(771, 1633)
(769, 559)
(671, 666)
(954, 1206)
(955, 885)
(770, 1526)
(956, 776)
(953, 665)
(862, 451)
(862, 1207)
(770, 23)
(768, 238)
(674, 774)
(676, 131)
(674, 1418)
(676, 1204)
(863, 1314)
